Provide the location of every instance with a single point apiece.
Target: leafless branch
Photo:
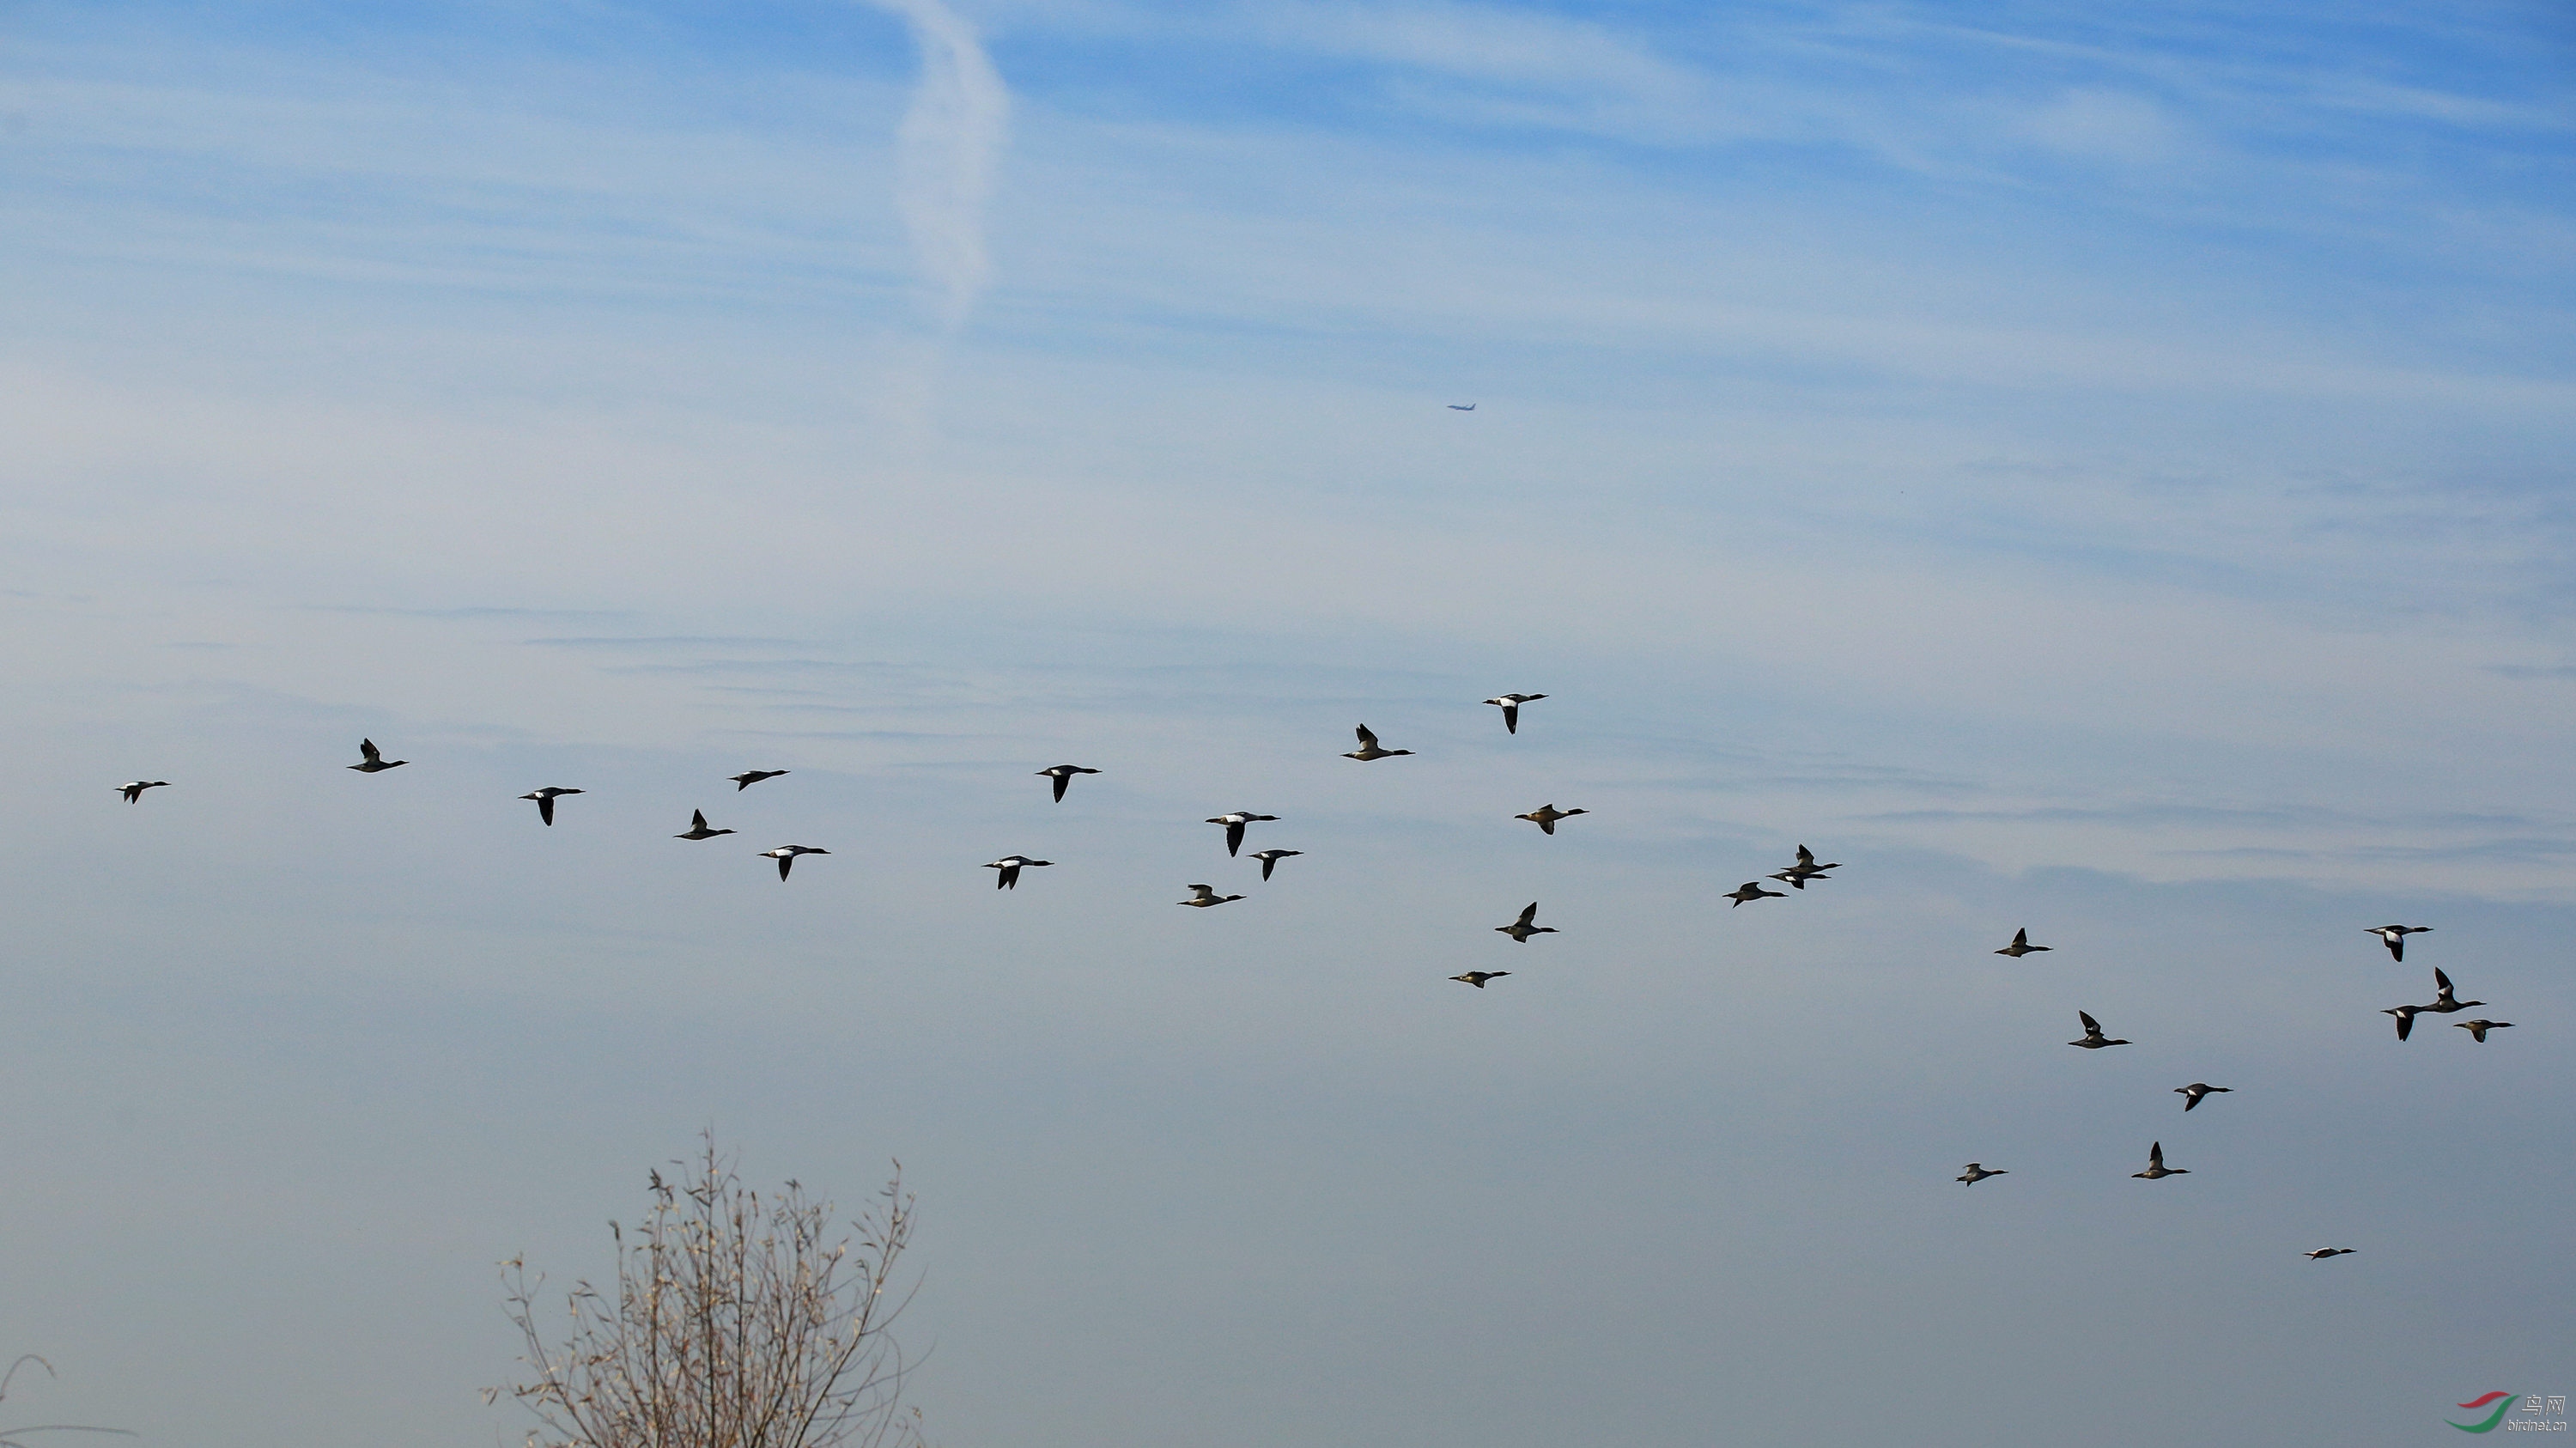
(735, 1322)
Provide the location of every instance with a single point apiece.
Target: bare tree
(9, 1437)
(735, 1323)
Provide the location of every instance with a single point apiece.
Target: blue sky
(2086, 470)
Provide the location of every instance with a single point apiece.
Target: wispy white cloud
(2102, 124)
(1488, 65)
(951, 144)
(1488, 43)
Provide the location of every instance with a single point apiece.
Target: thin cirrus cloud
(1482, 65)
(951, 144)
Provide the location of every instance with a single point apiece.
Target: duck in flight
(786, 855)
(1797, 875)
(371, 760)
(133, 789)
(1063, 775)
(1269, 858)
(1204, 896)
(2444, 1003)
(1461, 407)
(1511, 704)
(1975, 1174)
(1521, 930)
(2478, 1029)
(698, 828)
(2405, 1019)
(1752, 890)
(1234, 824)
(2192, 1094)
(2021, 945)
(1368, 749)
(2093, 1040)
(546, 798)
(1546, 816)
(1477, 978)
(750, 777)
(2394, 936)
(1010, 866)
(2156, 1165)
(2322, 1253)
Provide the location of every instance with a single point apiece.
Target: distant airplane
(1454, 407)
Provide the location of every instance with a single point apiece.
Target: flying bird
(1521, 930)
(1511, 707)
(1975, 1174)
(1797, 875)
(546, 798)
(1269, 858)
(2093, 1040)
(1203, 896)
(371, 760)
(2192, 1093)
(2021, 946)
(698, 828)
(1010, 866)
(2444, 1003)
(786, 855)
(1752, 890)
(1234, 824)
(2405, 1019)
(133, 789)
(2156, 1165)
(2395, 937)
(1368, 749)
(1461, 407)
(1063, 775)
(2478, 1029)
(1477, 978)
(1546, 816)
(2322, 1253)
(750, 777)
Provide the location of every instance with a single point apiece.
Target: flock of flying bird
(1797, 876)
(2445, 1002)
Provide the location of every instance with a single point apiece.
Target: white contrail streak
(951, 140)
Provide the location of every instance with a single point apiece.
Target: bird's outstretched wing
(2092, 1027)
